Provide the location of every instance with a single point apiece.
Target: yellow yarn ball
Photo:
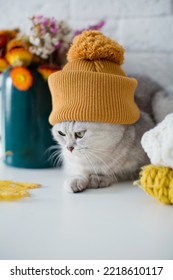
(157, 181)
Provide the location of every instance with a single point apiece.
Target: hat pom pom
(93, 45)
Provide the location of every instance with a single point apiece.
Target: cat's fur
(108, 153)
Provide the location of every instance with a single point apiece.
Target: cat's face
(87, 137)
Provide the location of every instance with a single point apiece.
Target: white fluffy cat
(100, 154)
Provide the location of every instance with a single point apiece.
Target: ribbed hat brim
(92, 96)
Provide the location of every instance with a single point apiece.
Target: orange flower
(45, 70)
(16, 43)
(21, 77)
(10, 33)
(3, 40)
(3, 64)
(19, 57)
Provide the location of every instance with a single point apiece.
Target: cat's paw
(99, 181)
(76, 184)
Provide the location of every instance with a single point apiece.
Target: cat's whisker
(52, 160)
(90, 162)
(48, 150)
(81, 148)
(102, 169)
(118, 158)
(55, 158)
(105, 170)
(59, 159)
(103, 152)
(54, 154)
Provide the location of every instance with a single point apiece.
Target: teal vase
(26, 132)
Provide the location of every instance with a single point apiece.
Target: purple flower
(59, 44)
(46, 22)
(53, 27)
(37, 19)
(98, 26)
(49, 36)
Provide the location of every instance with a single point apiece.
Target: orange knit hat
(92, 86)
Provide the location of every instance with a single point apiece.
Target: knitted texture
(158, 143)
(92, 86)
(10, 190)
(93, 45)
(157, 182)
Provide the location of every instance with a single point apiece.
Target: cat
(99, 154)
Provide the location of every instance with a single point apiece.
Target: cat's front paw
(76, 184)
(99, 181)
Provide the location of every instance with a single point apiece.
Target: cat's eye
(61, 133)
(79, 134)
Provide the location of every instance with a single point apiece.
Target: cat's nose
(71, 148)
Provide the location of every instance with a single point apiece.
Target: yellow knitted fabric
(93, 45)
(92, 86)
(158, 182)
(10, 190)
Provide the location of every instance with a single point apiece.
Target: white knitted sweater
(158, 143)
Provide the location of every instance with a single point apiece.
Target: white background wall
(144, 27)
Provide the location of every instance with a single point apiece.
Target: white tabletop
(119, 222)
